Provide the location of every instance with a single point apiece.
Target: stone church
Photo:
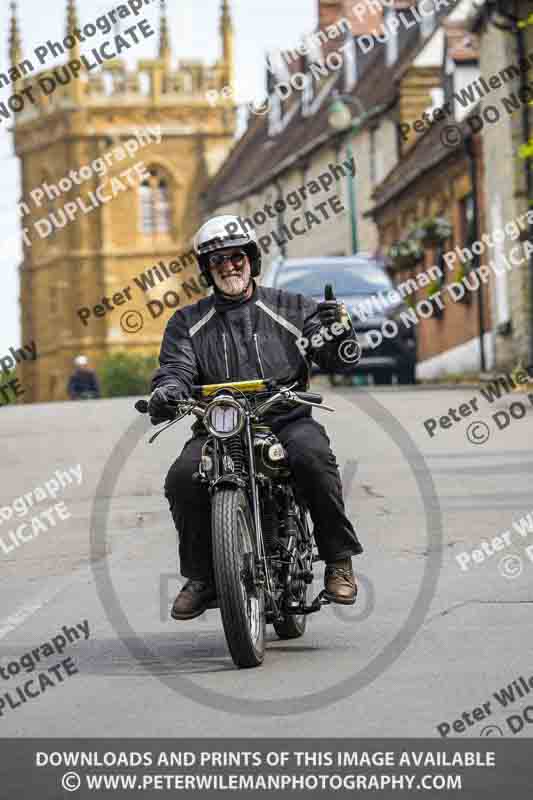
(98, 276)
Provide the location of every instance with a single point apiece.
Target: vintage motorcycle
(263, 547)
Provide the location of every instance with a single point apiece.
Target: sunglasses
(218, 259)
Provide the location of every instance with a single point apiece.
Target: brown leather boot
(195, 598)
(340, 582)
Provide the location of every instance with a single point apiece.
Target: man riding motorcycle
(241, 332)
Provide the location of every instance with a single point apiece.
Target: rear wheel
(407, 375)
(292, 626)
(242, 604)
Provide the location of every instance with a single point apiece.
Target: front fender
(228, 481)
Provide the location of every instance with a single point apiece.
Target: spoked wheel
(292, 626)
(242, 603)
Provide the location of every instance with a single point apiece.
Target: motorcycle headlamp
(224, 418)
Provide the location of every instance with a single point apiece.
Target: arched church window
(155, 202)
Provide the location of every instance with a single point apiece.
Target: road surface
(436, 630)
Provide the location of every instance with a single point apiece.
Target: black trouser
(317, 476)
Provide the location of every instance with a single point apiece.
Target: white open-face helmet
(221, 232)
(81, 361)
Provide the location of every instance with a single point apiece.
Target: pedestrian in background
(83, 383)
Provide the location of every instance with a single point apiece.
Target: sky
(260, 26)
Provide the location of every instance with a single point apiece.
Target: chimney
(364, 16)
(329, 11)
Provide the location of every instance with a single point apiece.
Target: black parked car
(362, 283)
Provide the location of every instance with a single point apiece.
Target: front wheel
(242, 603)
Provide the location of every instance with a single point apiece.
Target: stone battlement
(99, 76)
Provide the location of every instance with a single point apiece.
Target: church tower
(106, 252)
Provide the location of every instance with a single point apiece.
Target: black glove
(329, 310)
(162, 403)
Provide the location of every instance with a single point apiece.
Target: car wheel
(407, 375)
(383, 379)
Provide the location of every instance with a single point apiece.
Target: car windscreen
(352, 279)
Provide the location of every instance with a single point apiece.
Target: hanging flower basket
(434, 289)
(432, 231)
(520, 375)
(462, 271)
(526, 150)
(405, 254)
(524, 232)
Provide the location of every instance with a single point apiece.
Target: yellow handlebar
(244, 386)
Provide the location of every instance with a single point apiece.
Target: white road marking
(26, 611)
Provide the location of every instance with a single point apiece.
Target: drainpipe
(526, 133)
(470, 148)
(352, 196)
(281, 220)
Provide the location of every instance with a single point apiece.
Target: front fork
(259, 572)
(263, 577)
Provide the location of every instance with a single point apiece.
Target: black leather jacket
(217, 340)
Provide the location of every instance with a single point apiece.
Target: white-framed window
(373, 165)
(313, 45)
(392, 46)
(145, 84)
(108, 82)
(308, 95)
(155, 203)
(437, 98)
(275, 114)
(350, 64)
(377, 165)
(429, 20)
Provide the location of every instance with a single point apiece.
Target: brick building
(478, 67)
(436, 181)
(392, 79)
(437, 178)
(293, 143)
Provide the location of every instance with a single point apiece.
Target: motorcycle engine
(270, 455)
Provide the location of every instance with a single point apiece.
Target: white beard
(234, 284)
